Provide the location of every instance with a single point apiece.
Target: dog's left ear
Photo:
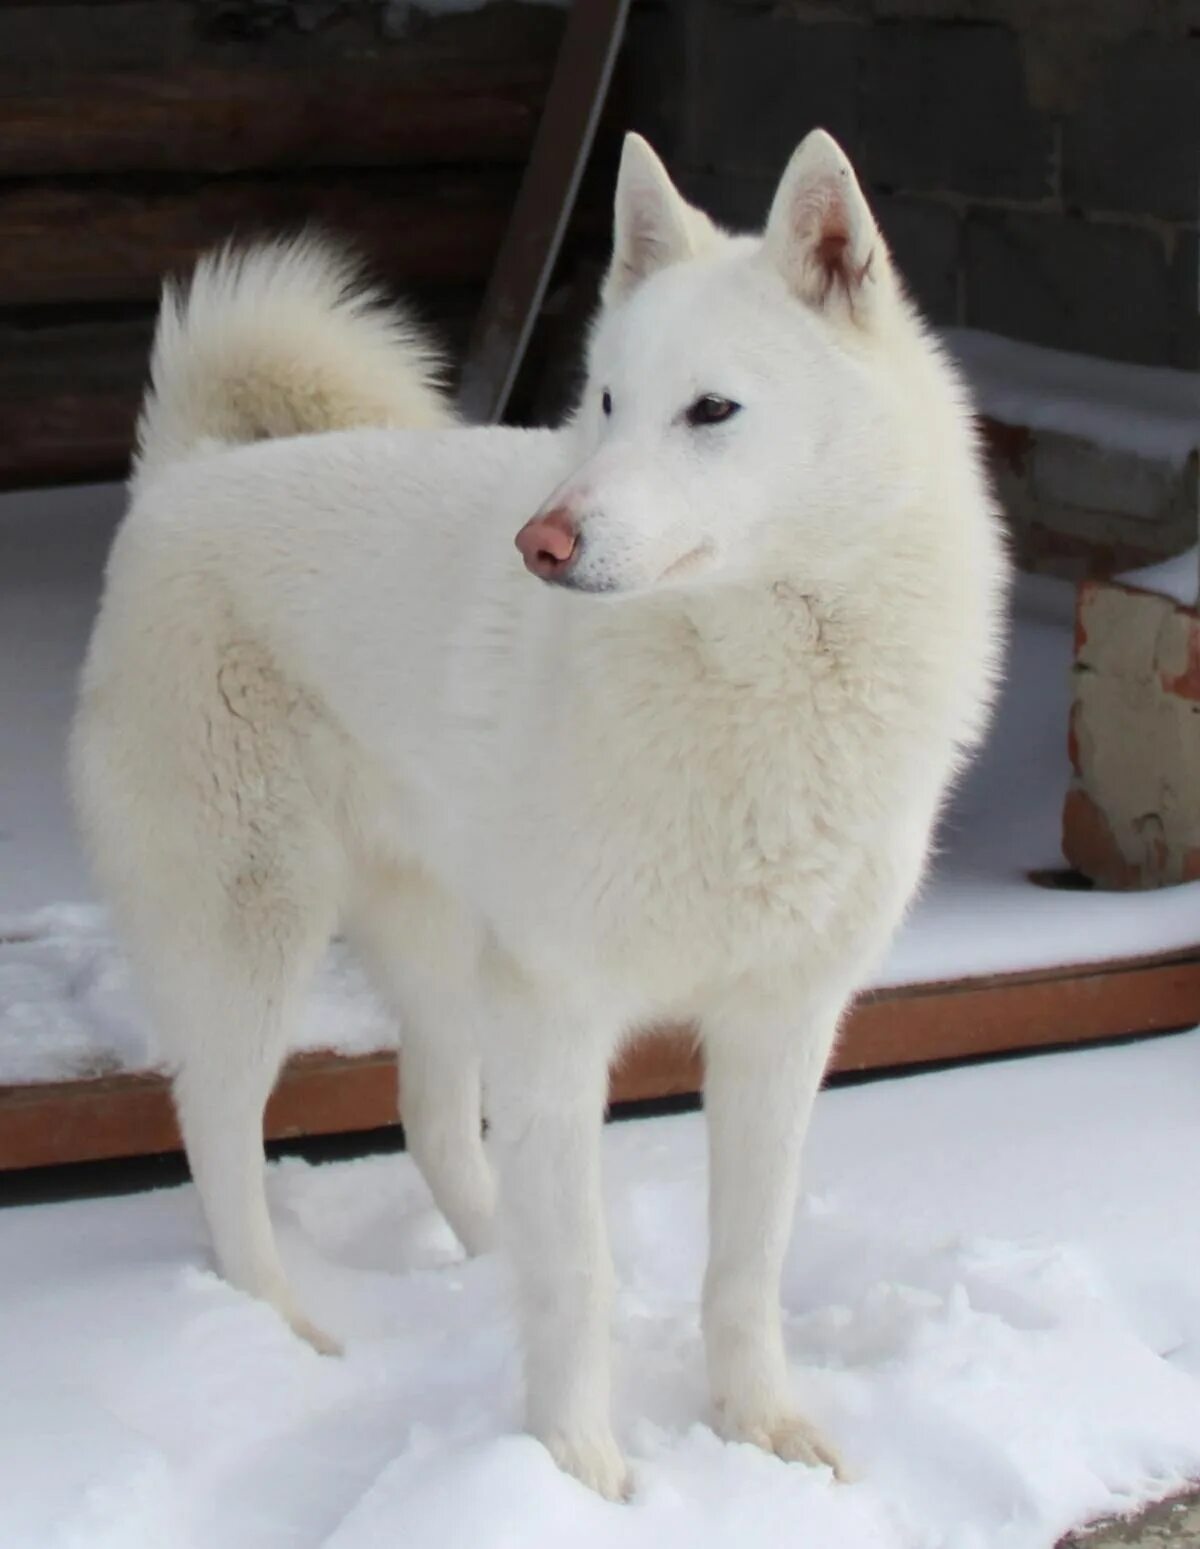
(821, 233)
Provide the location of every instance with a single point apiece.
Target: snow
(66, 1005)
(1177, 577)
(1150, 410)
(68, 1008)
(991, 1307)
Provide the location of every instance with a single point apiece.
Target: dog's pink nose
(547, 543)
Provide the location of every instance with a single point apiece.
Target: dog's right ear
(653, 225)
(821, 233)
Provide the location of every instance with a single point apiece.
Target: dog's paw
(595, 1460)
(479, 1235)
(791, 1438)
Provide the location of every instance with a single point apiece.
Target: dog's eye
(606, 401)
(711, 410)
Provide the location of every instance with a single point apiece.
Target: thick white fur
(323, 690)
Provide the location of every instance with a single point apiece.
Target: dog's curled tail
(281, 339)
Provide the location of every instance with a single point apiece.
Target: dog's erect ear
(821, 233)
(653, 225)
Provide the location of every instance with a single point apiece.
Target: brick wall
(1035, 163)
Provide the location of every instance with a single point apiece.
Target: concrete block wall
(1035, 163)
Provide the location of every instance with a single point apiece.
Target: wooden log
(114, 242)
(205, 120)
(156, 95)
(68, 399)
(69, 390)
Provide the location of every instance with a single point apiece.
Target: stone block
(1096, 288)
(925, 237)
(1079, 509)
(1102, 482)
(654, 78)
(764, 80)
(946, 109)
(733, 199)
(1185, 300)
(1134, 145)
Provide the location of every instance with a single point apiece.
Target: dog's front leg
(546, 1081)
(764, 1063)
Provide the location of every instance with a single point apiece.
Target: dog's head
(731, 404)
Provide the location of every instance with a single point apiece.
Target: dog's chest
(704, 828)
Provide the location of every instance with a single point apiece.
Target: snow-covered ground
(66, 1008)
(992, 1306)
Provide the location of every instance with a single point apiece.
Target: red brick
(1186, 684)
(1090, 845)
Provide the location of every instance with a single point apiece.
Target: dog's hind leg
(227, 880)
(422, 956)
(231, 1016)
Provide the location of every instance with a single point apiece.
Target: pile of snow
(991, 1308)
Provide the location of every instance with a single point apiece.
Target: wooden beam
(130, 1115)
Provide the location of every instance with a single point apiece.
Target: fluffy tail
(280, 340)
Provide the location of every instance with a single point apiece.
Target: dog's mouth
(577, 578)
(687, 564)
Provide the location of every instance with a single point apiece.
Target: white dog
(691, 778)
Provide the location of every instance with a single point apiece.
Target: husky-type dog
(687, 769)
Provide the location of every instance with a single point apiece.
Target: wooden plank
(132, 1115)
(547, 197)
(128, 1115)
(114, 242)
(922, 1023)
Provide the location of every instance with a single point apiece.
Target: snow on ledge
(1178, 578)
(1152, 411)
